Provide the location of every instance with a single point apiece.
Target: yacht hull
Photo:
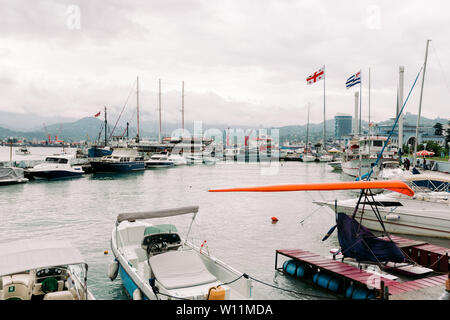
(55, 174)
(119, 167)
(420, 218)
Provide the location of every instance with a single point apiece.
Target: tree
(433, 146)
(447, 136)
(438, 129)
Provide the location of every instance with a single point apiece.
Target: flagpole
(360, 100)
(324, 118)
(369, 111)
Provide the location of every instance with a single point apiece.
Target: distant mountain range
(89, 128)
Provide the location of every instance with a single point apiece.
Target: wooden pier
(423, 253)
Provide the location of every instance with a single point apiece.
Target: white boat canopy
(156, 214)
(23, 255)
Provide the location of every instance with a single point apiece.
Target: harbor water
(237, 227)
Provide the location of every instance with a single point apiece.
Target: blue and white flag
(354, 79)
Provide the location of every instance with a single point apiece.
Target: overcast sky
(243, 62)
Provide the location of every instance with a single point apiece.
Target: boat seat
(37, 290)
(59, 295)
(18, 286)
(143, 269)
(180, 269)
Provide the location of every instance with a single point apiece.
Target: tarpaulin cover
(359, 243)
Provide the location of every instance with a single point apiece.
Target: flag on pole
(354, 79)
(97, 114)
(319, 75)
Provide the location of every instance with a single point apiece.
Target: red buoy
(274, 219)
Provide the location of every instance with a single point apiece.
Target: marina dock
(348, 275)
(425, 254)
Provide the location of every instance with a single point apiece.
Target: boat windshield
(56, 160)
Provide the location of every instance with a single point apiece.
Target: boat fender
(303, 271)
(216, 293)
(113, 269)
(327, 281)
(359, 293)
(392, 216)
(137, 294)
(298, 270)
(290, 267)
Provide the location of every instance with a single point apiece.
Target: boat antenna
(190, 227)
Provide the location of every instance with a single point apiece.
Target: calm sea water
(236, 226)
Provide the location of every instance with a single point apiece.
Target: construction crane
(48, 135)
(59, 134)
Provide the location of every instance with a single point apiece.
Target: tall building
(342, 125)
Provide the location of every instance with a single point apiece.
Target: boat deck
(339, 268)
(425, 254)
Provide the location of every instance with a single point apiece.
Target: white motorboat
(210, 160)
(194, 158)
(336, 165)
(361, 154)
(23, 151)
(231, 153)
(308, 157)
(12, 175)
(154, 262)
(55, 167)
(424, 214)
(159, 161)
(42, 269)
(389, 170)
(326, 158)
(177, 159)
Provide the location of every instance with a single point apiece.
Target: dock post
(381, 292)
(276, 260)
(386, 293)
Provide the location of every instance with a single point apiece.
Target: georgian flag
(354, 79)
(319, 75)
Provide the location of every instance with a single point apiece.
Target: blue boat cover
(359, 243)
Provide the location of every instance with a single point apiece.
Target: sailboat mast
(182, 106)
(324, 118)
(400, 105)
(159, 132)
(106, 128)
(307, 132)
(137, 106)
(420, 104)
(360, 103)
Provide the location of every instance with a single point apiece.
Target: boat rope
(291, 291)
(155, 289)
(246, 276)
(440, 65)
(317, 209)
(434, 263)
(123, 108)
